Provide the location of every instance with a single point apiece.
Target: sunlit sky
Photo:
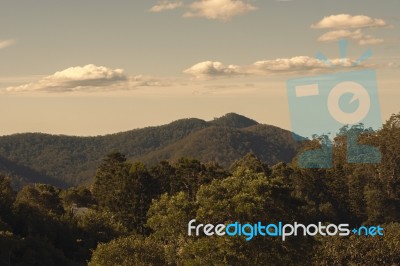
(93, 67)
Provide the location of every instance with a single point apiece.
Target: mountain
(234, 120)
(225, 145)
(21, 174)
(68, 160)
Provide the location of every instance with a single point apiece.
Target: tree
(164, 173)
(127, 251)
(7, 196)
(40, 197)
(99, 227)
(251, 162)
(81, 197)
(126, 190)
(167, 219)
(15, 250)
(107, 184)
(190, 174)
(361, 250)
(138, 191)
(246, 197)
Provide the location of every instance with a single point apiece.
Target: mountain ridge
(72, 160)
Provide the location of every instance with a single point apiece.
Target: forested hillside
(133, 214)
(67, 160)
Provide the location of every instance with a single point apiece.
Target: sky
(95, 67)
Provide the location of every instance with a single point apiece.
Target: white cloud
(298, 64)
(212, 69)
(345, 21)
(358, 35)
(90, 78)
(148, 81)
(165, 5)
(223, 10)
(339, 34)
(370, 40)
(86, 78)
(349, 27)
(218, 9)
(6, 43)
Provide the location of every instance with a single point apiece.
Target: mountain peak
(234, 120)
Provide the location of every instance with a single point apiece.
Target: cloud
(358, 35)
(339, 34)
(223, 10)
(6, 43)
(148, 81)
(218, 9)
(345, 21)
(212, 69)
(297, 64)
(370, 40)
(393, 65)
(165, 5)
(90, 78)
(349, 27)
(86, 78)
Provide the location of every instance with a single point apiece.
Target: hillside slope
(225, 145)
(72, 160)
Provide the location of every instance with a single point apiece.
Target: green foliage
(99, 226)
(167, 218)
(190, 174)
(246, 197)
(41, 198)
(29, 251)
(364, 250)
(7, 196)
(127, 251)
(79, 197)
(251, 162)
(108, 180)
(125, 189)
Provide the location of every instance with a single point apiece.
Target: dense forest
(136, 213)
(66, 161)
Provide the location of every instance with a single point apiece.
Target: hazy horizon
(100, 67)
(150, 126)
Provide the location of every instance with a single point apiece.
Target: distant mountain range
(67, 161)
